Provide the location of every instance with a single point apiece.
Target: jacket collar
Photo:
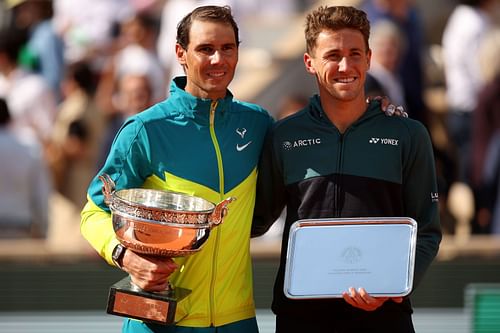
(317, 112)
(190, 105)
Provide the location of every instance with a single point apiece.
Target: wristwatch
(117, 255)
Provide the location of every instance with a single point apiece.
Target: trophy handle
(108, 188)
(219, 212)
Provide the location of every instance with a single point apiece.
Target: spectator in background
(134, 94)
(24, 185)
(139, 35)
(387, 45)
(135, 53)
(405, 15)
(73, 149)
(486, 136)
(486, 115)
(30, 98)
(462, 36)
(88, 27)
(44, 53)
(488, 215)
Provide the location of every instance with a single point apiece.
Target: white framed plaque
(325, 257)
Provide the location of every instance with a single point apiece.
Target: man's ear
(181, 54)
(308, 62)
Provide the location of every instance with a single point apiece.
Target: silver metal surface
(326, 257)
(161, 222)
(162, 239)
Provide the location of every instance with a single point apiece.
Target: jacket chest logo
(241, 132)
(384, 141)
(288, 145)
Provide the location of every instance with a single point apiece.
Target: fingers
(388, 108)
(400, 111)
(148, 272)
(392, 110)
(149, 284)
(362, 300)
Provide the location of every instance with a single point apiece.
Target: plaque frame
(318, 269)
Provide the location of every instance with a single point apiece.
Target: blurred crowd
(72, 71)
(467, 56)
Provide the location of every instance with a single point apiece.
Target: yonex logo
(384, 141)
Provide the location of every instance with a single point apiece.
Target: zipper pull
(213, 107)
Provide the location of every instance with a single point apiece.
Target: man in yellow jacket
(200, 141)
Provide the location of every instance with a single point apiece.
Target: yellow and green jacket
(199, 147)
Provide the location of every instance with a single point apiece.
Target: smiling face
(210, 58)
(339, 61)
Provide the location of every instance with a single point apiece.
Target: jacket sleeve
(127, 166)
(270, 199)
(421, 199)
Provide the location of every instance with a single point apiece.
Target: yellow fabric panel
(219, 275)
(97, 228)
(177, 184)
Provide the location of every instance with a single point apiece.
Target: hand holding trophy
(156, 225)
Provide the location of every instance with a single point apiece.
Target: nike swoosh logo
(240, 148)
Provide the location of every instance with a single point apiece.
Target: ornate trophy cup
(159, 223)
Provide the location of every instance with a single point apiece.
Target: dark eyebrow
(331, 52)
(335, 51)
(358, 49)
(204, 45)
(212, 45)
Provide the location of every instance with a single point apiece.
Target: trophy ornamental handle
(219, 212)
(108, 188)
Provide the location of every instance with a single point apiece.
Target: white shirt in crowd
(31, 103)
(24, 186)
(461, 40)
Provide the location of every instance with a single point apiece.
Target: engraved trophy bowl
(159, 223)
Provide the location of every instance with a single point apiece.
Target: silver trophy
(159, 223)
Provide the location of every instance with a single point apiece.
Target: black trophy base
(127, 300)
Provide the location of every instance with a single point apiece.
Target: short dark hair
(4, 113)
(12, 41)
(335, 18)
(81, 72)
(220, 14)
(78, 129)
